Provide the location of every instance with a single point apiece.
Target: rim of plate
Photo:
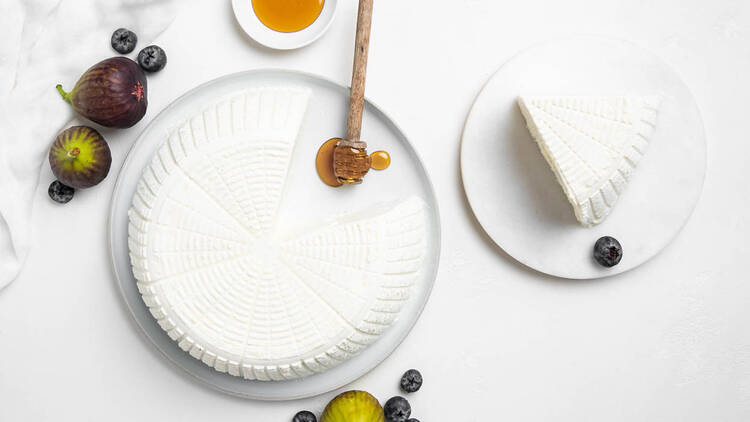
(113, 211)
(258, 31)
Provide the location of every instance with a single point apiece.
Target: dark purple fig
(111, 93)
(80, 157)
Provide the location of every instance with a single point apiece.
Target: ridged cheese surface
(220, 280)
(592, 144)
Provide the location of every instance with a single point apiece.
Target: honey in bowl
(287, 15)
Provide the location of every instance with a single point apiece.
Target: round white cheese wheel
(221, 282)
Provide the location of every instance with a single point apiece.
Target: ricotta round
(220, 280)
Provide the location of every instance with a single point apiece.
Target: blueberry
(60, 193)
(304, 416)
(397, 409)
(152, 58)
(411, 381)
(607, 251)
(124, 40)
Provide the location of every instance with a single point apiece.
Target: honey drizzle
(380, 160)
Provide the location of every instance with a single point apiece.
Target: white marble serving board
(514, 194)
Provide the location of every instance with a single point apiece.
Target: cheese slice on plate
(592, 144)
(219, 277)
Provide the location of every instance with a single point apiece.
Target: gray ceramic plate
(325, 118)
(513, 192)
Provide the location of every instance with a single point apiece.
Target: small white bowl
(251, 24)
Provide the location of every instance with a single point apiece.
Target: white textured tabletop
(668, 341)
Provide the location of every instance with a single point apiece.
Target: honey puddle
(324, 163)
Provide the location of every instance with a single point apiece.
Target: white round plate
(513, 192)
(326, 117)
(257, 30)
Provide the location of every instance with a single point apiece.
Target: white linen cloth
(45, 42)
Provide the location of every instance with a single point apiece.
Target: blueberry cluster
(396, 409)
(151, 58)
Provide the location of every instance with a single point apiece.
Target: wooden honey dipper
(350, 159)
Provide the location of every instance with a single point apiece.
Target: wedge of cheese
(592, 144)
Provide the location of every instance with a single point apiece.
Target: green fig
(353, 406)
(80, 157)
(111, 93)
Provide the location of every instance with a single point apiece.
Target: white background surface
(668, 341)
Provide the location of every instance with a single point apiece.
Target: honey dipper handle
(357, 95)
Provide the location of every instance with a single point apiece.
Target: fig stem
(63, 94)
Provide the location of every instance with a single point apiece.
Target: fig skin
(112, 93)
(80, 157)
(353, 406)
